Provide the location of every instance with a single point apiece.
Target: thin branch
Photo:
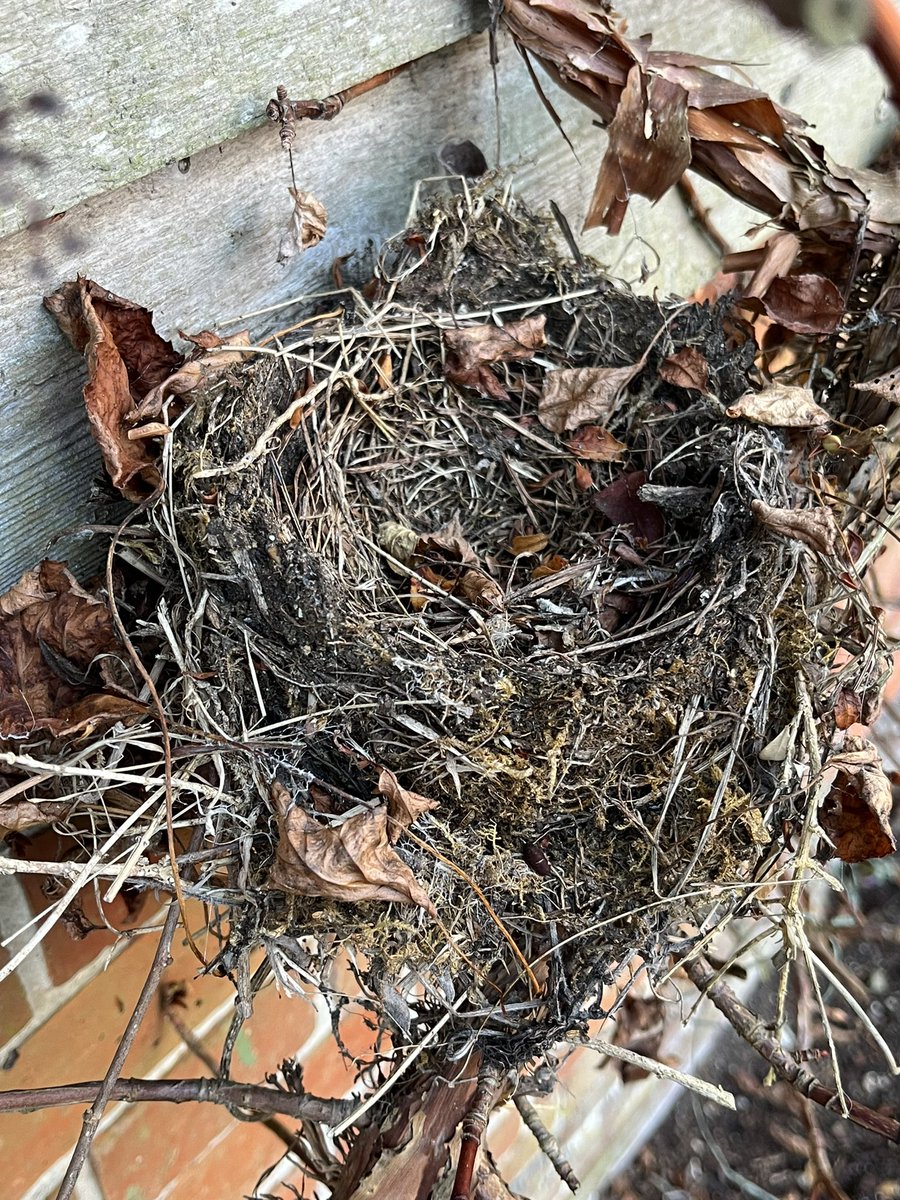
(547, 1142)
(752, 1030)
(257, 1097)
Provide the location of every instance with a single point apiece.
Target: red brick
(77, 1043)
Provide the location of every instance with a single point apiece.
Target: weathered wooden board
(200, 247)
(153, 81)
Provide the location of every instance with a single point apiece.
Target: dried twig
(179, 1091)
(550, 1147)
(107, 1087)
(755, 1033)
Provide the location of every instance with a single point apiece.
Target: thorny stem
(752, 1030)
(103, 1092)
(179, 1091)
(473, 1127)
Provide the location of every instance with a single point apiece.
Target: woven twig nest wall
(502, 620)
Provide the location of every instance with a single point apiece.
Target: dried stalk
(180, 1091)
(755, 1033)
(550, 1147)
(106, 1088)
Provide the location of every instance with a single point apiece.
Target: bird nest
(495, 616)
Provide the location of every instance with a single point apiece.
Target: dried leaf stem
(550, 1147)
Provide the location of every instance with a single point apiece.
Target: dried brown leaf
(815, 527)
(471, 349)
(856, 814)
(51, 631)
(686, 368)
(22, 814)
(550, 566)
(353, 861)
(126, 359)
(584, 480)
(779, 255)
(621, 504)
(306, 228)
(780, 405)
(196, 370)
(404, 807)
(847, 708)
(649, 147)
(574, 396)
(886, 386)
(529, 543)
(804, 303)
(597, 444)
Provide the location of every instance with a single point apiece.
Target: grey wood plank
(153, 81)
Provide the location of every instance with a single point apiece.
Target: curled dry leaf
(815, 527)
(529, 543)
(856, 814)
(597, 444)
(126, 359)
(51, 631)
(550, 566)
(470, 351)
(444, 559)
(781, 406)
(22, 814)
(686, 368)
(201, 367)
(306, 228)
(621, 504)
(804, 303)
(575, 395)
(847, 708)
(352, 861)
(404, 807)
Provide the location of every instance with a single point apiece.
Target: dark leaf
(686, 368)
(804, 303)
(621, 504)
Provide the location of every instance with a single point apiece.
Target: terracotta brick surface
(14, 1008)
(77, 1044)
(172, 1151)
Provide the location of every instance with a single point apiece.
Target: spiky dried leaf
(404, 806)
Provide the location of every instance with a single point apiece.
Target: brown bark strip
(752, 1030)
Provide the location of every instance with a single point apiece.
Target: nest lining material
(410, 588)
